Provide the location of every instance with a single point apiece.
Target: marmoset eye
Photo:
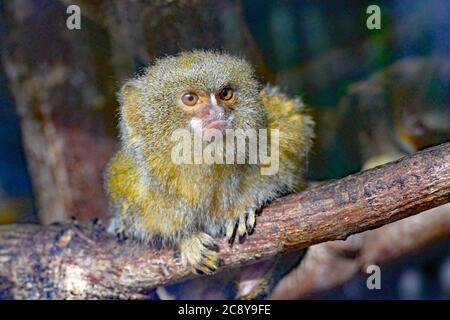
(189, 99)
(226, 93)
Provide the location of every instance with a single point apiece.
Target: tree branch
(71, 261)
(331, 264)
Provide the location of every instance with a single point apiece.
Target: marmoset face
(200, 91)
(209, 110)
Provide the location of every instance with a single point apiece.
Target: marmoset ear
(130, 94)
(130, 97)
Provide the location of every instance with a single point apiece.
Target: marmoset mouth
(217, 124)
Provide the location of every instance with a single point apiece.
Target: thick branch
(331, 264)
(68, 261)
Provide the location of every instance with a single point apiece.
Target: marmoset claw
(199, 253)
(245, 223)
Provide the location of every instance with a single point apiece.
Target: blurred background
(376, 95)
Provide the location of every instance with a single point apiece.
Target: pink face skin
(208, 110)
(210, 115)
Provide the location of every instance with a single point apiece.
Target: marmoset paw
(245, 223)
(199, 253)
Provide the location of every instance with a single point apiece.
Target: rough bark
(70, 261)
(64, 100)
(331, 264)
(64, 84)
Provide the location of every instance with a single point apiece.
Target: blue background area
(14, 179)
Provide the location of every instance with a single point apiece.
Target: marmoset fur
(158, 202)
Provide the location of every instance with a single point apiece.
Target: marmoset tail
(159, 201)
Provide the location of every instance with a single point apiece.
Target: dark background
(363, 87)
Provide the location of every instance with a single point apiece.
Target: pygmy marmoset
(159, 202)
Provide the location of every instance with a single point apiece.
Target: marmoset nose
(210, 109)
(206, 110)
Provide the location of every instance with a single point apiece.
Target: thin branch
(70, 261)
